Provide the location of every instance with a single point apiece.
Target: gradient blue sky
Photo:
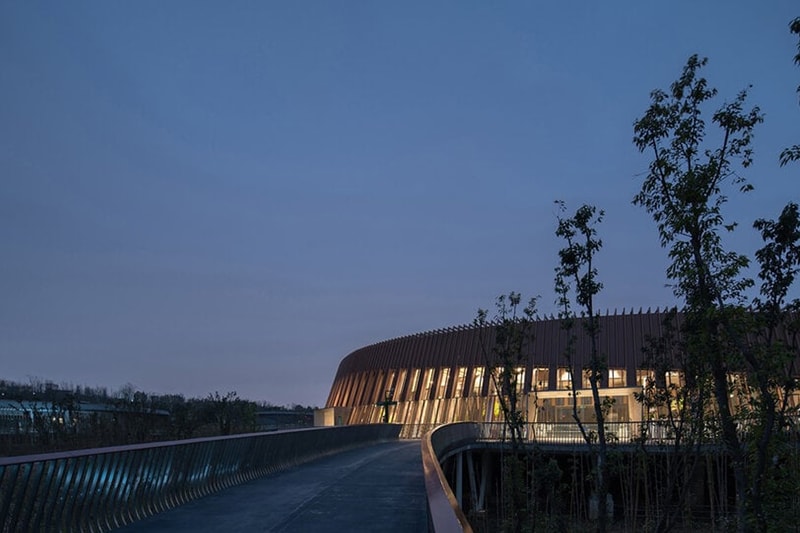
(200, 196)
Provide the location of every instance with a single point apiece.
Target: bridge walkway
(374, 488)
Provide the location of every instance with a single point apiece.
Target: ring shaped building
(445, 376)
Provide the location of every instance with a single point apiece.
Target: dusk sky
(232, 196)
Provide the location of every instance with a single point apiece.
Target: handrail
(649, 432)
(104, 488)
(445, 515)
(633, 432)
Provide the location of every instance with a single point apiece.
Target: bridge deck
(374, 488)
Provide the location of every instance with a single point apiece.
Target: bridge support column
(484, 477)
(478, 494)
(460, 478)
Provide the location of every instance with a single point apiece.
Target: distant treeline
(41, 416)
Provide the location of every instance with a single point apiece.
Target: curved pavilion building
(445, 376)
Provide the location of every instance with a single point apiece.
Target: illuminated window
(427, 383)
(674, 378)
(794, 397)
(617, 377)
(645, 378)
(519, 379)
(502, 382)
(564, 379)
(414, 385)
(540, 380)
(497, 380)
(477, 380)
(461, 378)
(586, 382)
(737, 389)
(737, 382)
(444, 376)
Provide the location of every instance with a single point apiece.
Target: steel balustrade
(650, 432)
(445, 515)
(100, 489)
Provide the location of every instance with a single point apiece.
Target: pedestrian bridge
(378, 487)
(345, 478)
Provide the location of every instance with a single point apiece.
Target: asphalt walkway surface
(374, 488)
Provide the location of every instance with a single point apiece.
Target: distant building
(271, 420)
(21, 416)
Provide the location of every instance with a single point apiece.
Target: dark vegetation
(729, 458)
(40, 416)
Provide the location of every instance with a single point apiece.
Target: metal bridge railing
(444, 513)
(650, 432)
(100, 489)
(653, 432)
(570, 433)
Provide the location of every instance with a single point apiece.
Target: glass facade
(412, 389)
(427, 384)
(439, 395)
(477, 381)
(461, 377)
(586, 381)
(444, 377)
(674, 379)
(540, 379)
(564, 379)
(617, 378)
(645, 378)
(519, 380)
